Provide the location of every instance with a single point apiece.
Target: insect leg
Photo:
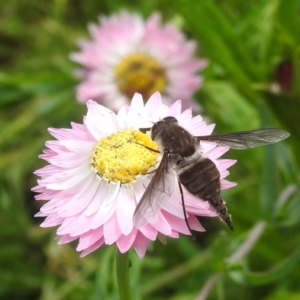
(156, 151)
(184, 211)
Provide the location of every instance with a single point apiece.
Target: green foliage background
(245, 42)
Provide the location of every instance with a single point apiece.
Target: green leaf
(219, 38)
(274, 274)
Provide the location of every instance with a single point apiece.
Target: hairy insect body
(181, 153)
(174, 139)
(198, 174)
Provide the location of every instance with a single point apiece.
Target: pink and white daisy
(128, 55)
(96, 177)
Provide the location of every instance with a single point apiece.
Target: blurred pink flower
(96, 176)
(127, 55)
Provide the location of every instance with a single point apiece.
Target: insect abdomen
(202, 179)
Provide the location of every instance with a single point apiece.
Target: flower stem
(122, 270)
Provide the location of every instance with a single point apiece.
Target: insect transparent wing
(158, 191)
(246, 139)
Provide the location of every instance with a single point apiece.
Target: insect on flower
(98, 175)
(195, 171)
(97, 172)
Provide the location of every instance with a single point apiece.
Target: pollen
(140, 73)
(123, 155)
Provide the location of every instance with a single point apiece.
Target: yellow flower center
(122, 156)
(140, 73)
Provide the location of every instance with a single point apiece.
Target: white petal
(175, 109)
(153, 105)
(100, 121)
(98, 199)
(107, 208)
(136, 111)
(81, 199)
(67, 179)
(122, 118)
(125, 208)
(185, 118)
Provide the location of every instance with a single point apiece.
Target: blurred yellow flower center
(122, 156)
(140, 73)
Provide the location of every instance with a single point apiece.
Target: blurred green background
(252, 81)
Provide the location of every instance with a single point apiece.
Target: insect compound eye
(158, 126)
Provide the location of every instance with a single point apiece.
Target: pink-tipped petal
(140, 245)
(90, 238)
(92, 248)
(112, 230)
(125, 242)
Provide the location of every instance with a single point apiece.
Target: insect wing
(246, 139)
(157, 193)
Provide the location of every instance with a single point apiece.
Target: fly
(181, 155)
